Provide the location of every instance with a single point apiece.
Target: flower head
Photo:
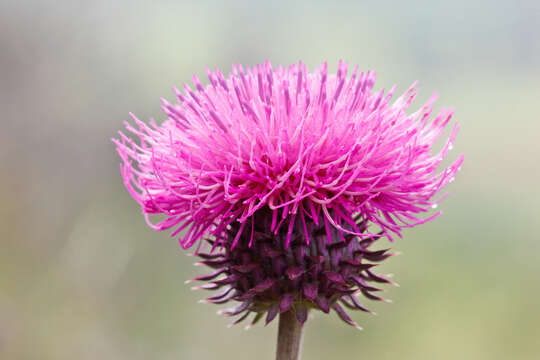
(289, 176)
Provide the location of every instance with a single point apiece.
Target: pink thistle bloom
(295, 156)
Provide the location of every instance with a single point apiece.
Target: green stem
(289, 337)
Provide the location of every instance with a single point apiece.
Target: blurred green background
(82, 277)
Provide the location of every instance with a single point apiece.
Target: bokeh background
(82, 277)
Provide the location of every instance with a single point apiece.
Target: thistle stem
(289, 337)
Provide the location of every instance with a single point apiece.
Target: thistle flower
(283, 179)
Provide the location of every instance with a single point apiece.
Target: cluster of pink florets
(301, 144)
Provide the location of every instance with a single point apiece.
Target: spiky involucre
(298, 143)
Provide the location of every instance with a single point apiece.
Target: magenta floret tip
(300, 170)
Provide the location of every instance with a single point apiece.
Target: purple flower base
(265, 276)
